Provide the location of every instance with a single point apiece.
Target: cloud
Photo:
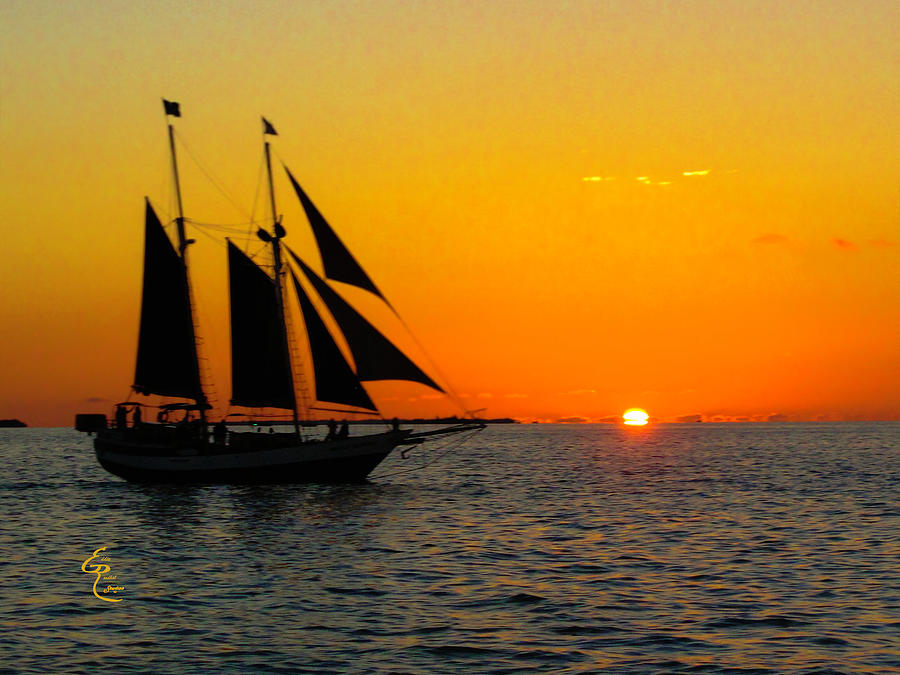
(770, 238)
(571, 420)
(578, 392)
(882, 242)
(431, 397)
(515, 395)
(689, 419)
(645, 180)
(843, 243)
(95, 399)
(485, 394)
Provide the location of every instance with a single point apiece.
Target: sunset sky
(578, 207)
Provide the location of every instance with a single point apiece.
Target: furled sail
(338, 262)
(260, 365)
(167, 352)
(335, 380)
(376, 357)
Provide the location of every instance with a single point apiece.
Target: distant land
(424, 420)
(400, 420)
(12, 423)
(450, 420)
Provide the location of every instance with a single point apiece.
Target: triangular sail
(260, 365)
(339, 263)
(335, 380)
(167, 352)
(376, 357)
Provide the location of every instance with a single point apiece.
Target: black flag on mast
(268, 128)
(172, 108)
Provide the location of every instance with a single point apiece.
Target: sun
(635, 417)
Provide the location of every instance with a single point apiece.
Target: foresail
(167, 353)
(338, 262)
(376, 357)
(335, 380)
(260, 366)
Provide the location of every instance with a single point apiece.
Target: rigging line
(237, 228)
(451, 446)
(207, 234)
(216, 183)
(259, 174)
(451, 392)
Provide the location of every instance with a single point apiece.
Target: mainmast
(173, 109)
(275, 239)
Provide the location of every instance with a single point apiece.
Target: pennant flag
(268, 128)
(172, 108)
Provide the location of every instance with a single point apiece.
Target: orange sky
(513, 175)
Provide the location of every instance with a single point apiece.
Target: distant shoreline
(500, 420)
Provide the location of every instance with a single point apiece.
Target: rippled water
(681, 548)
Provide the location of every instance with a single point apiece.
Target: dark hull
(341, 461)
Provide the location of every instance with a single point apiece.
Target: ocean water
(759, 548)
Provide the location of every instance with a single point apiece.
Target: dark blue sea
(707, 548)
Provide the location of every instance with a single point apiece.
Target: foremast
(167, 360)
(173, 109)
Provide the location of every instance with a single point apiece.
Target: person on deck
(121, 417)
(137, 420)
(345, 430)
(332, 430)
(220, 432)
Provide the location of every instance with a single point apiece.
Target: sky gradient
(578, 207)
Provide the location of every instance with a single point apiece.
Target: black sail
(338, 262)
(167, 352)
(335, 380)
(260, 366)
(376, 357)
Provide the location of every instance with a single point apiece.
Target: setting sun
(635, 417)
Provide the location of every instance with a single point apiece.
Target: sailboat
(180, 446)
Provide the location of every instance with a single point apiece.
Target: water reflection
(665, 548)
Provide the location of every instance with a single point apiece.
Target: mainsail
(338, 262)
(260, 364)
(335, 380)
(167, 351)
(376, 357)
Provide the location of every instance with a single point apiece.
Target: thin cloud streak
(843, 244)
(645, 180)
